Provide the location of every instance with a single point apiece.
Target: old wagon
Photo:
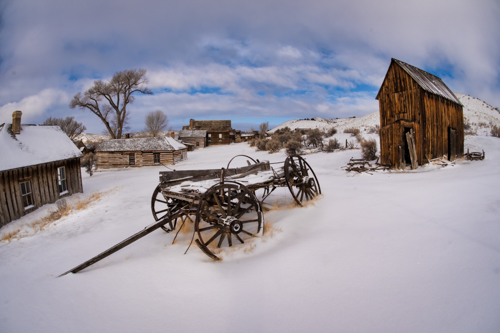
(224, 204)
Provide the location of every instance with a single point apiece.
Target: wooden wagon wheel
(301, 179)
(254, 161)
(160, 207)
(228, 214)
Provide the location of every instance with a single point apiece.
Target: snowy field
(389, 252)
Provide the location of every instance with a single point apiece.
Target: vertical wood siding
(404, 104)
(44, 187)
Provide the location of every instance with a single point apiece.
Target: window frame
(131, 159)
(62, 184)
(26, 194)
(156, 158)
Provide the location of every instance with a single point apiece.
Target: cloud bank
(246, 61)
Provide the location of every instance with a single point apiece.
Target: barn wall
(215, 138)
(44, 187)
(403, 103)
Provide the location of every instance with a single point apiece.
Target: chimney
(172, 134)
(16, 122)
(191, 124)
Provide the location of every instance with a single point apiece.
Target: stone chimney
(172, 134)
(16, 122)
(191, 124)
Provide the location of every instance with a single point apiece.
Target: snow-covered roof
(192, 134)
(163, 143)
(427, 81)
(36, 144)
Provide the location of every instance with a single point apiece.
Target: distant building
(198, 138)
(139, 152)
(218, 132)
(39, 164)
(416, 106)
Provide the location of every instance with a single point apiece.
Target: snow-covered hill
(478, 114)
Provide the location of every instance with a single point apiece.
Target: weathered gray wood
(411, 147)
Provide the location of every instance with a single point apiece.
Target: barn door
(411, 149)
(452, 144)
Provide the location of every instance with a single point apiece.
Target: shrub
(353, 130)
(261, 144)
(495, 131)
(273, 146)
(331, 132)
(293, 148)
(374, 129)
(252, 142)
(315, 138)
(369, 149)
(332, 145)
(359, 138)
(88, 162)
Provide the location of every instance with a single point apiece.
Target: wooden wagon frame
(222, 203)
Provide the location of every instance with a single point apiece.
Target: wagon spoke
(208, 228)
(214, 237)
(246, 232)
(229, 208)
(221, 239)
(239, 238)
(162, 201)
(249, 221)
(240, 214)
(229, 240)
(216, 197)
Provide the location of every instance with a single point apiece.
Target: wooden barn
(38, 165)
(139, 152)
(218, 132)
(420, 118)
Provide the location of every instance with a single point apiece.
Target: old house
(198, 138)
(38, 165)
(139, 152)
(420, 117)
(218, 132)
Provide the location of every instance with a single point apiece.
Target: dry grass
(51, 218)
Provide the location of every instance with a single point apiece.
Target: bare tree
(263, 129)
(70, 126)
(156, 121)
(115, 95)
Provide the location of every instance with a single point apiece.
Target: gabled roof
(192, 134)
(426, 81)
(162, 143)
(211, 125)
(37, 144)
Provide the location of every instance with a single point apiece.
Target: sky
(247, 61)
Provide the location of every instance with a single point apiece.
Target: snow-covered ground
(411, 251)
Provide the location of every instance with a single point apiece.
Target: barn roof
(36, 144)
(192, 134)
(426, 81)
(211, 125)
(162, 143)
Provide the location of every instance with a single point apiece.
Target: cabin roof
(426, 81)
(162, 143)
(192, 134)
(37, 144)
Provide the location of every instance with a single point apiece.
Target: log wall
(215, 138)
(107, 160)
(193, 141)
(44, 187)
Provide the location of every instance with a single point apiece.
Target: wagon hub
(236, 227)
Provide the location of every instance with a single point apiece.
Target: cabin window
(220, 136)
(197, 144)
(61, 180)
(209, 137)
(131, 159)
(26, 195)
(156, 158)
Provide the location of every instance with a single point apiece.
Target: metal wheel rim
(308, 190)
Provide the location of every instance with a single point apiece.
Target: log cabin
(198, 138)
(39, 164)
(420, 118)
(139, 152)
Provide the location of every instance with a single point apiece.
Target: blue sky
(251, 62)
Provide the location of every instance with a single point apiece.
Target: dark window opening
(26, 195)
(156, 158)
(131, 159)
(61, 180)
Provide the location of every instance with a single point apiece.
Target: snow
(410, 251)
(35, 145)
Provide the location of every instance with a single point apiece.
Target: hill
(478, 115)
